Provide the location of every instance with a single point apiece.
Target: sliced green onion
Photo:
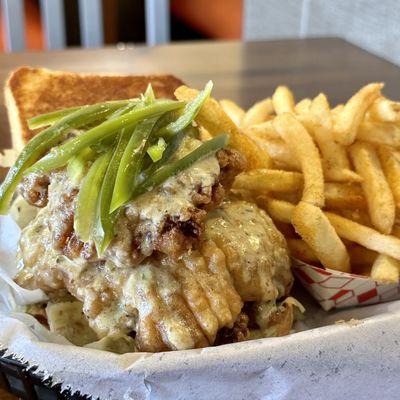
(173, 168)
(156, 151)
(86, 205)
(59, 156)
(77, 165)
(189, 112)
(49, 119)
(43, 120)
(44, 141)
(131, 163)
(125, 109)
(149, 96)
(103, 229)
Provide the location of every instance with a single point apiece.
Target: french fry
(346, 229)
(278, 210)
(390, 160)
(335, 162)
(258, 113)
(381, 206)
(315, 229)
(337, 110)
(319, 109)
(242, 194)
(204, 134)
(263, 131)
(365, 236)
(301, 144)
(214, 119)
(344, 195)
(280, 153)
(379, 133)
(302, 251)
(303, 106)
(385, 269)
(341, 175)
(293, 197)
(349, 118)
(359, 216)
(234, 112)
(269, 180)
(384, 110)
(283, 100)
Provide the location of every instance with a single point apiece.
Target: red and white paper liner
(335, 289)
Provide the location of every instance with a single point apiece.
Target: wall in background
(370, 24)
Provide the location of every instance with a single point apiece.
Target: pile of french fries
(328, 177)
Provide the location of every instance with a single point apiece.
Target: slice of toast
(34, 91)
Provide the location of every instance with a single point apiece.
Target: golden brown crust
(34, 91)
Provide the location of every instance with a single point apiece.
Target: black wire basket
(15, 378)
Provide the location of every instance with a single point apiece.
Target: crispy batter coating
(256, 252)
(176, 275)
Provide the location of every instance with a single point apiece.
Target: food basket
(18, 379)
(336, 289)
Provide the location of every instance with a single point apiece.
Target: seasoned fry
(349, 118)
(267, 180)
(384, 110)
(367, 237)
(381, 206)
(243, 194)
(320, 110)
(302, 251)
(344, 195)
(300, 142)
(316, 230)
(280, 153)
(337, 110)
(258, 113)
(234, 112)
(341, 175)
(379, 133)
(214, 119)
(293, 197)
(385, 269)
(335, 162)
(345, 228)
(283, 100)
(279, 210)
(262, 131)
(359, 216)
(303, 106)
(390, 160)
(204, 134)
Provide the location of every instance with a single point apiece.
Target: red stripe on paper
(367, 295)
(339, 294)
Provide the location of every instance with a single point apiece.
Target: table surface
(244, 72)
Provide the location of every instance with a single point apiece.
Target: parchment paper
(356, 359)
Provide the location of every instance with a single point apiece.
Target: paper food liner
(358, 359)
(336, 289)
(8, 157)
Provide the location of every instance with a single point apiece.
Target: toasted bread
(34, 91)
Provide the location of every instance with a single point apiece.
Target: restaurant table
(244, 72)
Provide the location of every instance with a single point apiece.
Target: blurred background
(54, 24)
